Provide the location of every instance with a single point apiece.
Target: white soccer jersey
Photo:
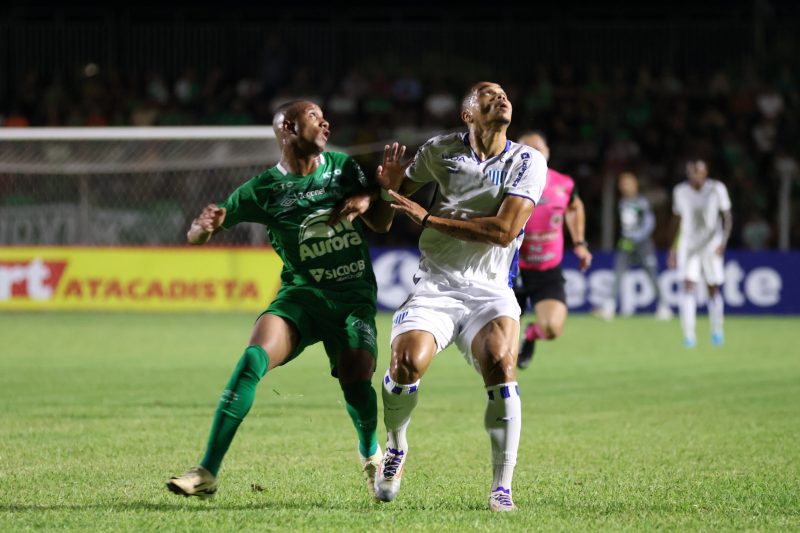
(469, 188)
(699, 210)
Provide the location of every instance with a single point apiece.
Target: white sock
(398, 402)
(688, 312)
(503, 422)
(716, 312)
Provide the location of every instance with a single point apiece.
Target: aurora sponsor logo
(328, 238)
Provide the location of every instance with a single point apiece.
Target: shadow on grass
(216, 506)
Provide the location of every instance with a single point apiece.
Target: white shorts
(706, 265)
(453, 313)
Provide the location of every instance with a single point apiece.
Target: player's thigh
(495, 349)
(551, 315)
(412, 353)
(277, 336)
(689, 266)
(350, 341)
(713, 268)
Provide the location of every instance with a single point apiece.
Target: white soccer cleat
(390, 473)
(369, 466)
(500, 500)
(663, 312)
(196, 481)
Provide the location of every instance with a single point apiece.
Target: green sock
(362, 406)
(236, 400)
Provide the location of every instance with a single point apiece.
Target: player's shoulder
(444, 142)
(681, 187)
(717, 184)
(524, 152)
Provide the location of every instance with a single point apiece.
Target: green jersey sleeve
(244, 205)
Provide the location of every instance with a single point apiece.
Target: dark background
(628, 86)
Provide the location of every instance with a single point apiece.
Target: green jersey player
(313, 203)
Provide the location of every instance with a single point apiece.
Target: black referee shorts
(536, 285)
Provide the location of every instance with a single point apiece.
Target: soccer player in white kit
(702, 208)
(487, 187)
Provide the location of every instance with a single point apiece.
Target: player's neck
(487, 143)
(299, 163)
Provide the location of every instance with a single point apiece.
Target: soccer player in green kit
(312, 203)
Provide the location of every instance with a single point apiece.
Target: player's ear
(289, 126)
(466, 116)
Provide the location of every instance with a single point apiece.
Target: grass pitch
(623, 429)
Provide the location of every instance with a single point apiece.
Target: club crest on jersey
(496, 176)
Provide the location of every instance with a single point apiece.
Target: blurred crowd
(599, 121)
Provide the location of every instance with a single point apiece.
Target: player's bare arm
(376, 214)
(674, 234)
(727, 226)
(500, 230)
(575, 219)
(207, 223)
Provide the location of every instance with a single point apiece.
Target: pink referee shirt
(543, 244)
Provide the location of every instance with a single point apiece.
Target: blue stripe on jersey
(513, 271)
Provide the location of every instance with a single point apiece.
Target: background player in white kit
(487, 187)
(698, 248)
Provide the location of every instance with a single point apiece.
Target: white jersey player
(486, 188)
(702, 207)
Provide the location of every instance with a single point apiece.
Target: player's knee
(552, 331)
(254, 362)
(499, 364)
(405, 367)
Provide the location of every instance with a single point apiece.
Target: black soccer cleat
(526, 354)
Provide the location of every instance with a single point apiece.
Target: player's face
(491, 105)
(696, 171)
(628, 186)
(312, 128)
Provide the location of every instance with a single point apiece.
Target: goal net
(123, 186)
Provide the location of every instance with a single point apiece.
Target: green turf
(623, 430)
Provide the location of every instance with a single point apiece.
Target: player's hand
(206, 223)
(350, 208)
(211, 218)
(672, 262)
(720, 250)
(392, 171)
(584, 256)
(411, 208)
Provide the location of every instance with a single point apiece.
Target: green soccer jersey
(296, 209)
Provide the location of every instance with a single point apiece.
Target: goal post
(123, 185)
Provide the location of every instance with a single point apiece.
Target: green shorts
(339, 320)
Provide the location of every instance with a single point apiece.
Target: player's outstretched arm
(207, 223)
(500, 230)
(575, 219)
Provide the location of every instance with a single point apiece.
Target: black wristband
(581, 243)
(425, 220)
